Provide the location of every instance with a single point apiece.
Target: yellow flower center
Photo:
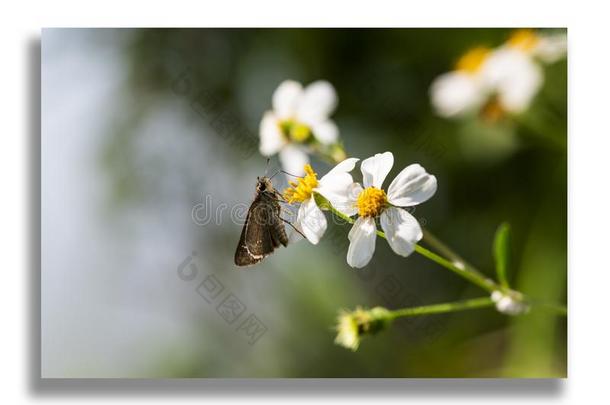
(371, 202)
(301, 191)
(472, 60)
(295, 131)
(524, 40)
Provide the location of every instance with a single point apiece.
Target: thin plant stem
(468, 270)
(462, 269)
(473, 276)
(443, 249)
(443, 308)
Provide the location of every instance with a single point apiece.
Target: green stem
(469, 272)
(462, 270)
(443, 249)
(443, 308)
(458, 265)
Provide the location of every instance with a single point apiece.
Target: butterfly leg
(293, 227)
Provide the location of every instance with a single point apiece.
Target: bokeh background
(141, 127)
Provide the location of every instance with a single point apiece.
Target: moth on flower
(412, 186)
(310, 218)
(298, 120)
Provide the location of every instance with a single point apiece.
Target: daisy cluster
(369, 203)
(299, 124)
(495, 82)
(488, 83)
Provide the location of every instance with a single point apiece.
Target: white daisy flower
(462, 90)
(412, 186)
(512, 79)
(300, 117)
(509, 305)
(310, 219)
(497, 82)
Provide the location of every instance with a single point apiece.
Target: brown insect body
(263, 230)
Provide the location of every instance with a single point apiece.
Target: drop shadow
(374, 388)
(33, 198)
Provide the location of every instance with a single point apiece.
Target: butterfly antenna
(274, 174)
(290, 174)
(267, 166)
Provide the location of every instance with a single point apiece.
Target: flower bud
(352, 326)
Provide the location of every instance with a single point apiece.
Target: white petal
(286, 98)
(271, 136)
(348, 205)
(412, 186)
(343, 167)
(326, 132)
(508, 305)
(516, 95)
(362, 242)
(311, 221)
(318, 102)
(514, 76)
(401, 230)
(552, 48)
(337, 190)
(496, 296)
(336, 186)
(456, 93)
(376, 168)
(293, 160)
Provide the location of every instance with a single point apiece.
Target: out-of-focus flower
(310, 219)
(500, 81)
(412, 186)
(509, 304)
(511, 79)
(549, 48)
(298, 120)
(462, 90)
(352, 326)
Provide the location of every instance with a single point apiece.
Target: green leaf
(501, 250)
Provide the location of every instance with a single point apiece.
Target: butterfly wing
(276, 227)
(262, 233)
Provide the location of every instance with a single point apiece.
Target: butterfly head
(263, 184)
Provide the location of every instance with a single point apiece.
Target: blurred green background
(142, 126)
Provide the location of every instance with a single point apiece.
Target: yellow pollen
(299, 132)
(472, 60)
(371, 202)
(524, 40)
(301, 191)
(295, 131)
